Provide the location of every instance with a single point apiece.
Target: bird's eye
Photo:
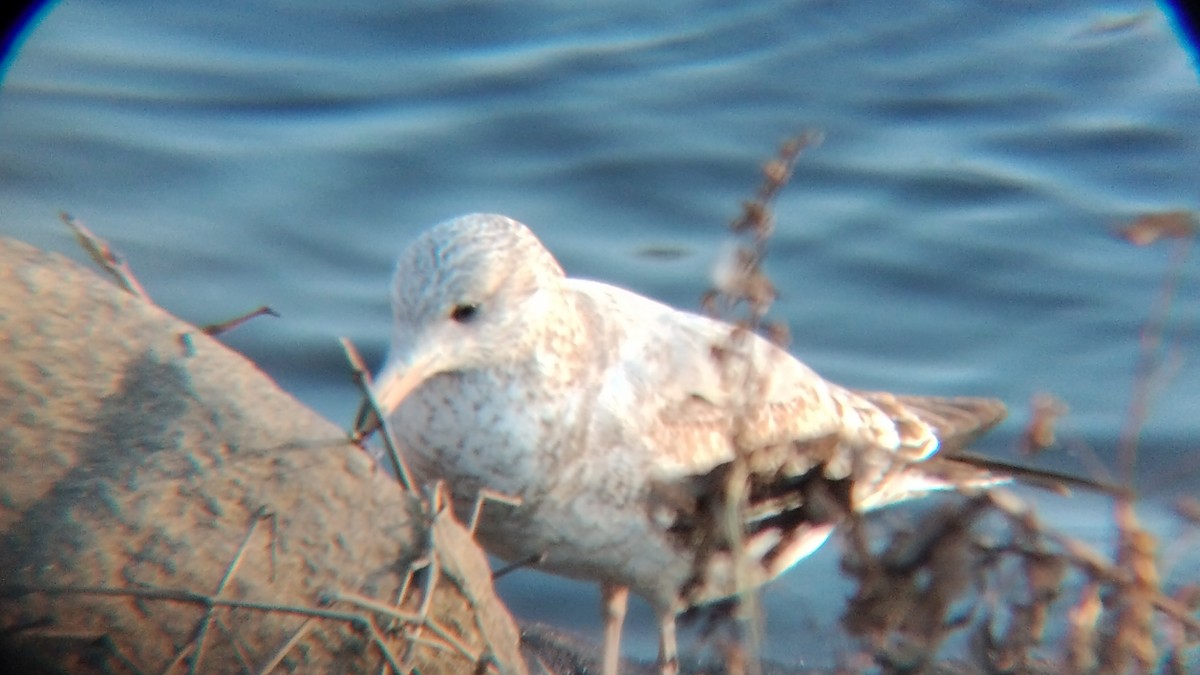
(464, 313)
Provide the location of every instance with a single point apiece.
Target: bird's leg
(668, 654)
(614, 598)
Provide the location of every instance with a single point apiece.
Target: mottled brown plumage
(616, 419)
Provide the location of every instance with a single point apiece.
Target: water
(952, 234)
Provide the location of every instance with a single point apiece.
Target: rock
(165, 506)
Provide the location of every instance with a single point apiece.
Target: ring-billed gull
(608, 415)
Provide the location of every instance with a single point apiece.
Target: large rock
(139, 456)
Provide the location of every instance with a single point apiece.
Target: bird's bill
(389, 391)
(396, 384)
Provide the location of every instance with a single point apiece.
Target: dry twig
(362, 378)
(226, 326)
(104, 255)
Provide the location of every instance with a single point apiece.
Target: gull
(613, 421)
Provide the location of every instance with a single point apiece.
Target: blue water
(952, 235)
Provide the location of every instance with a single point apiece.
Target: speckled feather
(608, 413)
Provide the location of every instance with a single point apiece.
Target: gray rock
(140, 458)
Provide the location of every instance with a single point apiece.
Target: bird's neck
(564, 346)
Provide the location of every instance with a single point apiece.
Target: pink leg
(668, 652)
(614, 599)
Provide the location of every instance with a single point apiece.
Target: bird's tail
(959, 422)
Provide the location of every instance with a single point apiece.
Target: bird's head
(469, 293)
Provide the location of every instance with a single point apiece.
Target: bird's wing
(957, 422)
(693, 392)
(698, 389)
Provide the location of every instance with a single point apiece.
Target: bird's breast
(479, 429)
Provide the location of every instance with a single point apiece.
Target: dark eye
(464, 313)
